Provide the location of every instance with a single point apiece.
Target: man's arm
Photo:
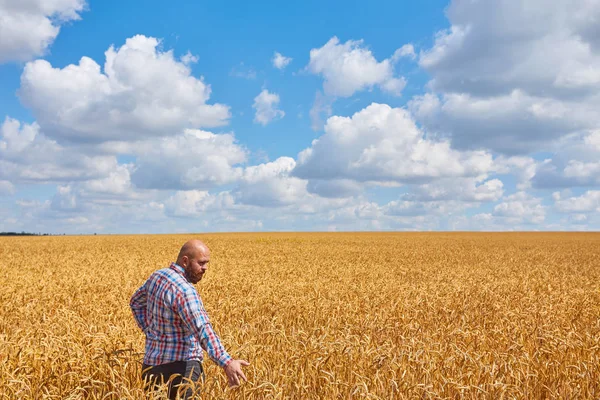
(233, 368)
(138, 307)
(195, 318)
(194, 315)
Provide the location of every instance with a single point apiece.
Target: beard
(193, 278)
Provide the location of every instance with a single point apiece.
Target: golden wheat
(319, 316)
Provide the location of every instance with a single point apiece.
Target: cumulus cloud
(395, 215)
(539, 47)
(117, 182)
(408, 50)
(141, 92)
(513, 76)
(583, 170)
(433, 211)
(27, 155)
(383, 144)
(589, 202)
(593, 140)
(522, 167)
(502, 83)
(28, 28)
(520, 207)
(196, 203)
(350, 67)
(193, 160)
(270, 184)
(444, 199)
(266, 105)
(513, 123)
(188, 58)
(574, 163)
(458, 189)
(72, 209)
(280, 61)
(357, 211)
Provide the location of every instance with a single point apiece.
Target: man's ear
(184, 261)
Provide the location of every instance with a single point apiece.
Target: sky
(169, 117)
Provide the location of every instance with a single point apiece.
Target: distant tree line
(22, 234)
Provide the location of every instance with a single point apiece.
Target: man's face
(196, 265)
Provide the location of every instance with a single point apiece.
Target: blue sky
(143, 117)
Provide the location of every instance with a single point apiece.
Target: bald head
(191, 247)
(194, 257)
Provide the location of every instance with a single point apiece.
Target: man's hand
(234, 372)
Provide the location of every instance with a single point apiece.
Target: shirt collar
(177, 268)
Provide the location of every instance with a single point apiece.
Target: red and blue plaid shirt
(170, 312)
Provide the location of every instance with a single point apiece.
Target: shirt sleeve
(195, 318)
(138, 307)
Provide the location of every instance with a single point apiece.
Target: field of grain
(319, 316)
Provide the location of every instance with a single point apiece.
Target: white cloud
(383, 144)
(583, 170)
(425, 207)
(28, 27)
(188, 58)
(363, 210)
(350, 67)
(511, 123)
(266, 104)
(458, 189)
(280, 61)
(117, 182)
(196, 203)
(193, 160)
(143, 92)
(432, 212)
(574, 163)
(554, 56)
(270, 185)
(509, 82)
(405, 208)
(408, 50)
(26, 155)
(593, 140)
(522, 167)
(521, 207)
(503, 84)
(202, 211)
(395, 215)
(72, 210)
(589, 202)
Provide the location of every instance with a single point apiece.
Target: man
(168, 309)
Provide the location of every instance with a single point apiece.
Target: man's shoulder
(171, 277)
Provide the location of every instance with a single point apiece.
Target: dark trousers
(178, 370)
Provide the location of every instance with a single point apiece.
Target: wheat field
(318, 315)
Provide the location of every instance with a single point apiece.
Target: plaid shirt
(170, 312)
